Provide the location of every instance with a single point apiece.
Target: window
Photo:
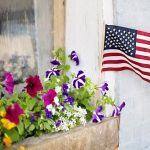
(29, 31)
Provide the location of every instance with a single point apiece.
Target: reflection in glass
(17, 38)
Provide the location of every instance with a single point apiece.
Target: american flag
(127, 49)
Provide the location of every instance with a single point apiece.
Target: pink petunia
(49, 97)
(9, 82)
(13, 112)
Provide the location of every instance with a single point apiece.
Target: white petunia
(58, 89)
(56, 100)
(51, 108)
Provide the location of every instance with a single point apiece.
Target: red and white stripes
(116, 60)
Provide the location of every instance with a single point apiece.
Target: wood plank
(59, 23)
(100, 136)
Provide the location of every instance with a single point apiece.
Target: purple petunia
(58, 123)
(34, 116)
(69, 100)
(97, 115)
(48, 113)
(79, 80)
(61, 107)
(54, 71)
(55, 62)
(65, 88)
(118, 109)
(104, 88)
(74, 57)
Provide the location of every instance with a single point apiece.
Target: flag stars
(120, 38)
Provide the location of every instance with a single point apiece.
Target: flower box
(100, 136)
(61, 103)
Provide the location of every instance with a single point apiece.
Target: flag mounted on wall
(127, 49)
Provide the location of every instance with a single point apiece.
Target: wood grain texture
(59, 23)
(100, 136)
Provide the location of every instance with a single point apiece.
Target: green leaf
(30, 103)
(65, 67)
(21, 128)
(1, 146)
(60, 54)
(26, 123)
(88, 106)
(37, 109)
(107, 100)
(88, 116)
(47, 126)
(68, 107)
(32, 127)
(98, 103)
(13, 134)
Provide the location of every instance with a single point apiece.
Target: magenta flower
(13, 112)
(8, 82)
(49, 97)
(33, 85)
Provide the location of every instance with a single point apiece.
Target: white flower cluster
(80, 113)
(66, 124)
(72, 119)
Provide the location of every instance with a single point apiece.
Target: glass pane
(17, 38)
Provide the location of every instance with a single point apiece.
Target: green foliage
(60, 55)
(13, 134)
(20, 128)
(31, 105)
(1, 146)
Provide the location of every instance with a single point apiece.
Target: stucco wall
(135, 120)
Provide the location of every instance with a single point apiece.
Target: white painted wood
(84, 34)
(108, 17)
(108, 11)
